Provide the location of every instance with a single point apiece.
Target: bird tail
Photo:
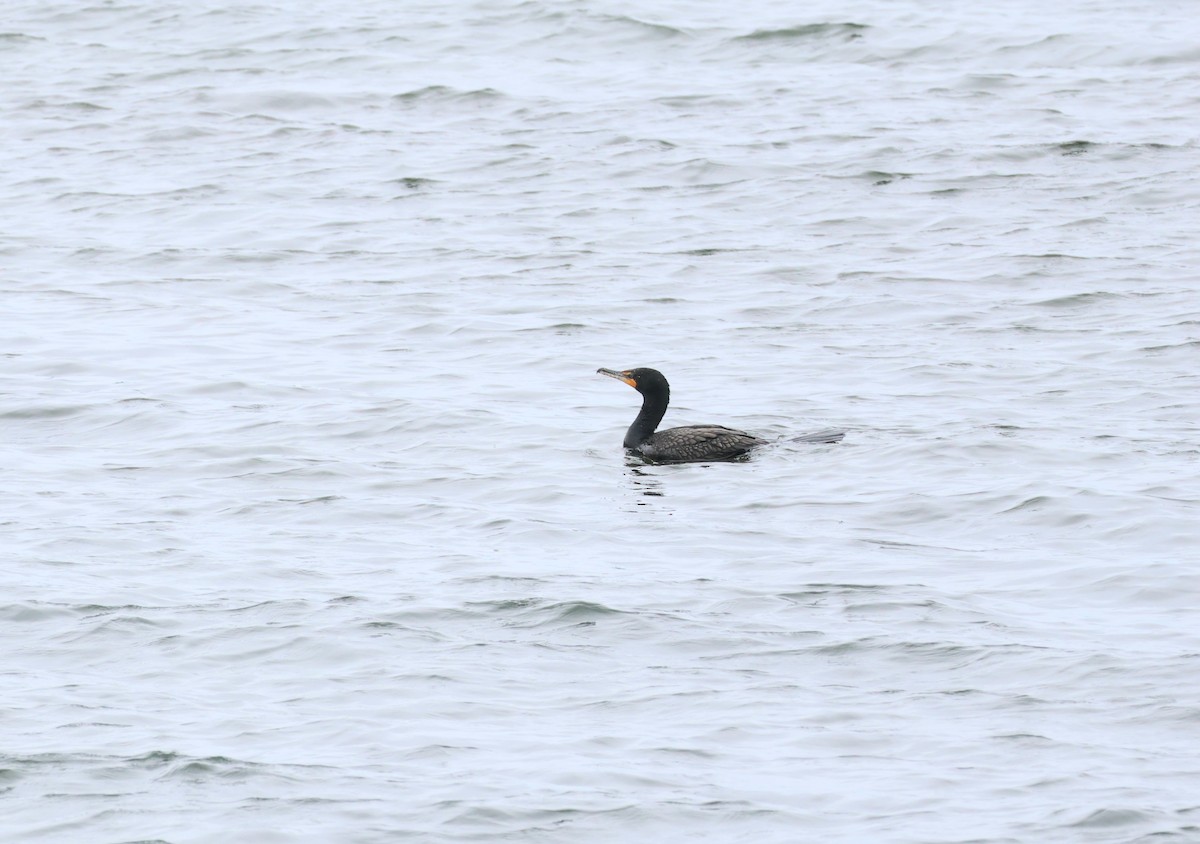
(829, 435)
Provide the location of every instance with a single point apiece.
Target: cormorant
(691, 443)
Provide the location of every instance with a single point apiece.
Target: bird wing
(699, 442)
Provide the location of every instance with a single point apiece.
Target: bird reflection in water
(644, 482)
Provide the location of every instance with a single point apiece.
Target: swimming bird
(691, 443)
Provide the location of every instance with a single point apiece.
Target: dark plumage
(689, 444)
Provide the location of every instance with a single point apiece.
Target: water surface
(317, 523)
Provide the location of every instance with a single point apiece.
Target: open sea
(316, 522)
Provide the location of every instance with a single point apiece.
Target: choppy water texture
(317, 525)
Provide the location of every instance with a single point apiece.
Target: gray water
(317, 527)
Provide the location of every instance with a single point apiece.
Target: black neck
(653, 408)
